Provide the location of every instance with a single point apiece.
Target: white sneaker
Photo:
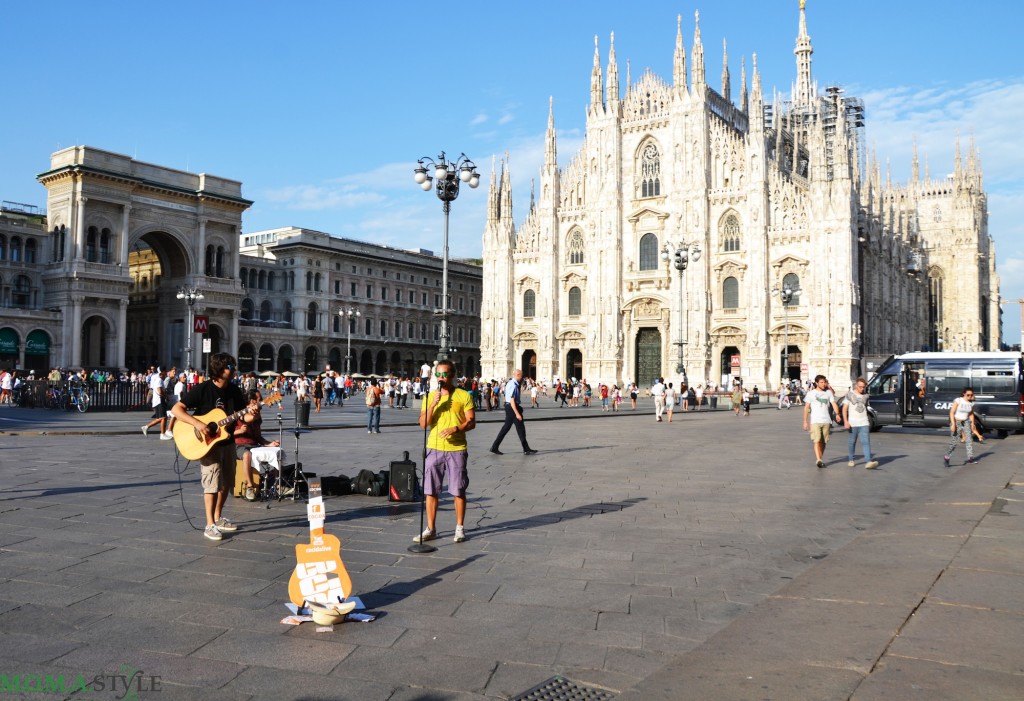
(169, 433)
(145, 430)
(460, 534)
(428, 534)
(166, 437)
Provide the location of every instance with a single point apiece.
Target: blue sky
(321, 108)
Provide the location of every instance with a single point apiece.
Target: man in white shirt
(156, 385)
(658, 392)
(816, 417)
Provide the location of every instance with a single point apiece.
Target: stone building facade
(300, 286)
(93, 281)
(773, 194)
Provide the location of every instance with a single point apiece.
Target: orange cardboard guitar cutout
(319, 573)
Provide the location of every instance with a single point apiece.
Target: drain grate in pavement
(562, 689)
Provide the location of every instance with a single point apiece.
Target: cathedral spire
(915, 170)
(506, 190)
(612, 89)
(972, 171)
(804, 91)
(533, 192)
(679, 59)
(726, 85)
(629, 80)
(493, 206)
(550, 149)
(755, 82)
(958, 163)
(697, 77)
(596, 96)
(743, 83)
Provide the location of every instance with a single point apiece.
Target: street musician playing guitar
(217, 466)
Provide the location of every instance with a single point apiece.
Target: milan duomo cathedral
(698, 237)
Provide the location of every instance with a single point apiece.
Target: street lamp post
(786, 294)
(681, 254)
(348, 316)
(190, 295)
(448, 174)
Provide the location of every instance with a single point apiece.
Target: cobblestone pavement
(707, 558)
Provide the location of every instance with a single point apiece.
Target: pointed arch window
(650, 171)
(648, 252)
(731, 234)
(575, 301)
(730, 293)
(575, 248)
(529, 304)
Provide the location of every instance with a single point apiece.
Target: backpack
(335, 485)
(371, 395)
(364, 483)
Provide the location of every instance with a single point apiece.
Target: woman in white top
(961, 425)
(670, 400)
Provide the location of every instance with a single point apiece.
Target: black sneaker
(820, 464)
(529, 451)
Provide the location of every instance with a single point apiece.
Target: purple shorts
(453, 463)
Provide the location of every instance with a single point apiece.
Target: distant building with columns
(93, 281)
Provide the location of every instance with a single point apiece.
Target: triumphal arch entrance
(126, 237)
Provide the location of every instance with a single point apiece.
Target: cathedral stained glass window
(731, 234)
(650, 172)
(730, 293)
(648, 252)
(529, 304)
(575, 301)
(575, 248)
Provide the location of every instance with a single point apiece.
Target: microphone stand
(280, 469)
(422, 548)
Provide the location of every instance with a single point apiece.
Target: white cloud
(478, 120)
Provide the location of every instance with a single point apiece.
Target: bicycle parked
(77, 397)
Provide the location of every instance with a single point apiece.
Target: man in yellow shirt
(448, 411)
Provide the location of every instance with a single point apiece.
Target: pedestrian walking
(658, 392)
(858, 422)
(670, 401)
(513, 416)
(816, 417)
(962, 426)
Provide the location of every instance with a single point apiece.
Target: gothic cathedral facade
(696, 238)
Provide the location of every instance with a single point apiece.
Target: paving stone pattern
(629, 556)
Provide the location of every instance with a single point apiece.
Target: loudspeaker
(404, 486)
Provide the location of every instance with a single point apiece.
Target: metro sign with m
(201, 324)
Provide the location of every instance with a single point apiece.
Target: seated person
(248, 436)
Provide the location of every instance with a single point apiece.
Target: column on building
(122, 330)
(75, 332)
(123, 259)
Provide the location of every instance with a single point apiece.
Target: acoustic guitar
(193, 443)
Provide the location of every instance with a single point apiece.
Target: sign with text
(201, 324)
